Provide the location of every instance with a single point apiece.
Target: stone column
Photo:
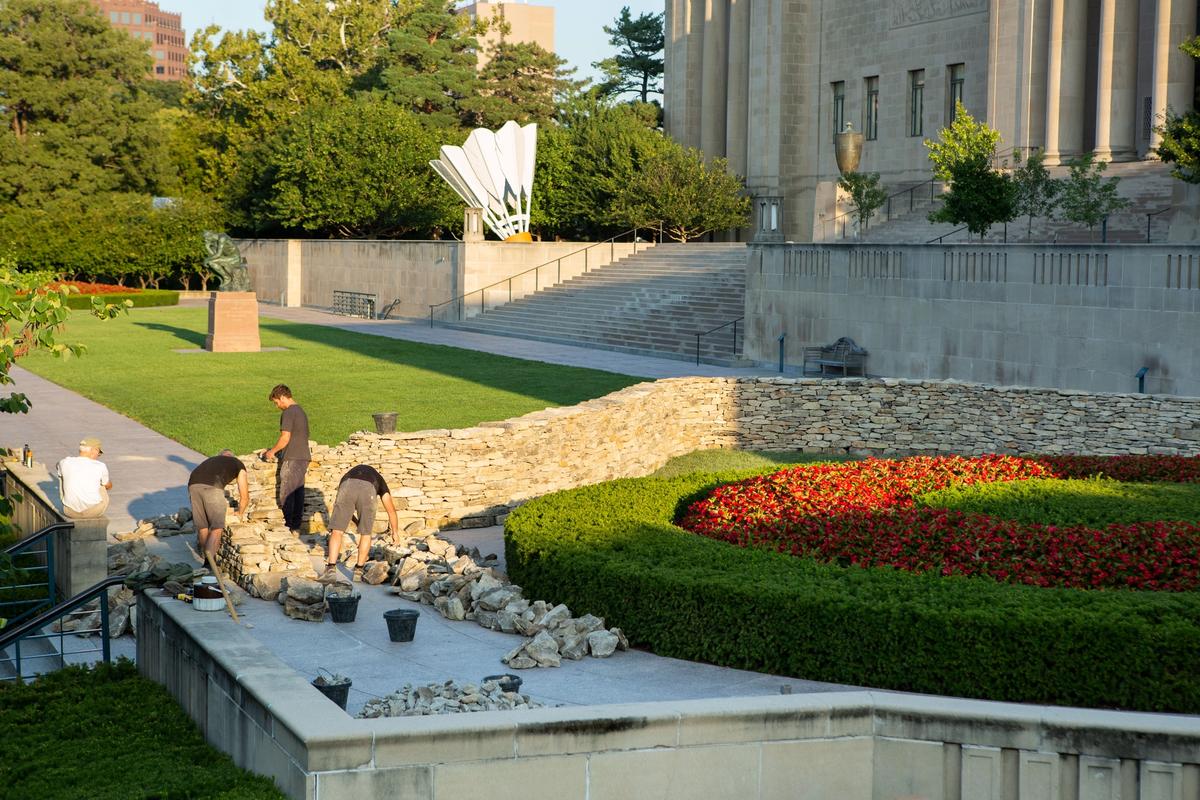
(1116, 81)
(738, 106)
(1065, 80)
(1174, 23)
(715, 77)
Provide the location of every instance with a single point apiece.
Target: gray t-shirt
(295, 421)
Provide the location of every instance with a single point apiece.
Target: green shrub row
(613, 550)
(145, 298)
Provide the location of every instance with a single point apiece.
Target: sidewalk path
(549, 352)
(149, 471)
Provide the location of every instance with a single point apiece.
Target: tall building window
(137, 19)
(871, 107)
(954, 95)
(124, 17)
(916, 102)
(114, 17)
(839, 106)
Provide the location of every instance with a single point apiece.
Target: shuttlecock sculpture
(493, 170)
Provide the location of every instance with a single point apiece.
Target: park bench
(354, 304)
(843, 354)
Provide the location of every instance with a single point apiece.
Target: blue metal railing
(31, 631)
(21, 562)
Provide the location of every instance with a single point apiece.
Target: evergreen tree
(429, 66)
(77, 118)
(522, 82)
(638, 65)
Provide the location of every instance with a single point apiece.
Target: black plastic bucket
(385, 421)
(337, 692)
(402, 624)
(508, 682)
(343, 607)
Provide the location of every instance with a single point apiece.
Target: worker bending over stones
(206, 491)
(356, 495)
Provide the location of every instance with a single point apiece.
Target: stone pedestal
(232, 323)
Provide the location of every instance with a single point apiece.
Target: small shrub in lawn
(145, 298)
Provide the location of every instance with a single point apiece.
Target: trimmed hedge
(613, 550)
(146, 298)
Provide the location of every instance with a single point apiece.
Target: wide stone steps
(652, 303)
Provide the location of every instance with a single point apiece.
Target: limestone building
(526, 23)
(767, 83)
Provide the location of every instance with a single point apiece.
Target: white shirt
(82, 478)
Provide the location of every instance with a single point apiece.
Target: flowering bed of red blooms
(862, 513)
(95, 288)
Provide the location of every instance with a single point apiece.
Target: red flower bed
(95, 288)
(862, 513)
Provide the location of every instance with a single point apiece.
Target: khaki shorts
(209, 506)
(354, 496)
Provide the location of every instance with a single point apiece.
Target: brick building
(162, 31)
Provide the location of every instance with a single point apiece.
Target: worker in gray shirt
(206, 491)
(292, 452)
(356, 496)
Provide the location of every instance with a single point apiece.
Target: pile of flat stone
(122, 616)
(446, 698)
(162, 526)
(462, 585)
(257, 551)
(304, 599)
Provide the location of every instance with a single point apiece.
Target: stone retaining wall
(472, 477)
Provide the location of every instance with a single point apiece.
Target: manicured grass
(208, 401)
(1093, 501)
(727, 460)
(108, 733)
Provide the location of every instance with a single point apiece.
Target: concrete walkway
(149, 471)
(549, 352)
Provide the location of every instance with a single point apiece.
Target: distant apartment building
(526, 23)
(162, 31)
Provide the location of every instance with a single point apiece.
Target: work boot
(330, 575)
(358, 574)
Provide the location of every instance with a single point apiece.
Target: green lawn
(208, 401)
(108, 734)
(727, 460)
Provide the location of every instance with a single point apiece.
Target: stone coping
(319, 738)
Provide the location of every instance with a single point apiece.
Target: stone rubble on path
(446, 698)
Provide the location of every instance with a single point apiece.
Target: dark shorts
(209, 506)
(354, 497)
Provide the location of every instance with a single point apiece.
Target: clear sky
(578, 23)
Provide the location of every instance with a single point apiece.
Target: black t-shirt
(295, 421)
(219, 471)
(369, 474)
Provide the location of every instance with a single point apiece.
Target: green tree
(690, 196)
(429, 65)
(965, 141)
(522, 82)
(1180, 133)
(638, 65)
(77, 118)
(979, 198)
(866, 195)
(350, 169)
(1036, 191)
(1088, 197)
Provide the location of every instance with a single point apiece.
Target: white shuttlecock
(493, 170)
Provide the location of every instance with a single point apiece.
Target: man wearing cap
(356, 495)
(83, 482)
(206, 491)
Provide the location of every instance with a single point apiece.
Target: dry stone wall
(473, 476)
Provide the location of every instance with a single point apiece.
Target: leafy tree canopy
(866, 195)
(522, 81)
(1088, 197)
(77, 118)
(964, 141)
(1036, 191)
(1180, 133)
(638, 65)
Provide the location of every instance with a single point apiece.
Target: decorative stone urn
(847, 148)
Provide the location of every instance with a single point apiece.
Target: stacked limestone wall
(473, 476)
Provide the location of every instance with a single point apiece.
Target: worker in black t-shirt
(356, 496)
(206, 491)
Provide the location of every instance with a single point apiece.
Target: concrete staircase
(1147, 184)
(652, 303)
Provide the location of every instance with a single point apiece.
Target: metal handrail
(611, 241)
(938, 240)
(13, 636)
(1154, 214)
(22, 547)
(910, 191)
(734, 323)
